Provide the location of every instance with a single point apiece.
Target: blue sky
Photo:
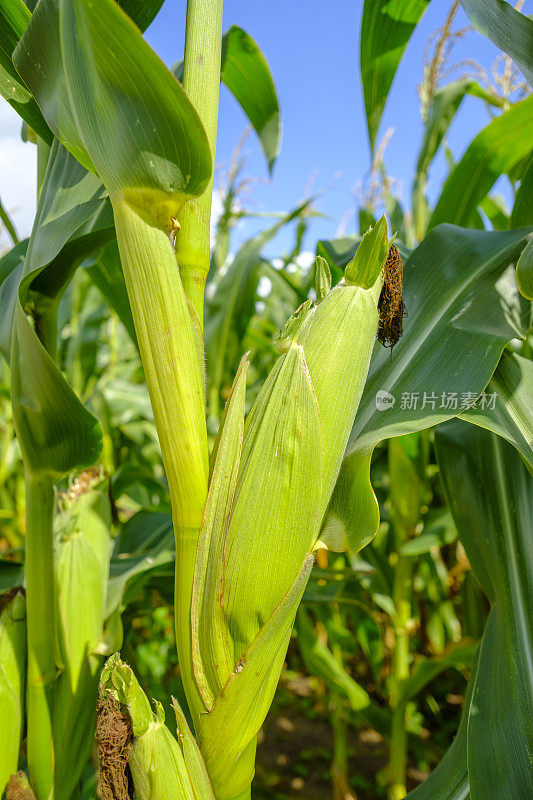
(312, 49)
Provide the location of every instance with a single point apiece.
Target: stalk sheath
(170, 346)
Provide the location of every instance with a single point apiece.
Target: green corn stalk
(81, 567)
(201, 81)
(161, 766)
(12, 680)
(148, 146)
(272, 479)
(406, 491)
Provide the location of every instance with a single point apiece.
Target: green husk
(272, 478)
(12, 680)
(161, 767)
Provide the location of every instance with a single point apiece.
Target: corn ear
(212, 647)
(337, 338)
(274, 514)
(242, 705)
(272, 479)
(12, 680)
(161, 766)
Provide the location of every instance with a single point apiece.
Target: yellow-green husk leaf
(155, 758)
(12, 680)
(272, 479)
(366, 265)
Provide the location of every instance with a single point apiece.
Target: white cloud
(18, 174)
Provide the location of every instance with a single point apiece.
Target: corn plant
(126, 151)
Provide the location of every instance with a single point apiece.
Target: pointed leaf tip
(365, 267)
(322, 278)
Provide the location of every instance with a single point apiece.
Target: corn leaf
(425, 670)
(11, 574)
(320, 661)
(147, 142)
(105, 270)
(463, 308)
(491, 497)
(386, 28)
(142, 12)
(11, 270)
(522, 214)
(510, 30)
(499, 147)
(511, 415)
(441, 113)
(245, 72)
(55, 431)
(14, 17)
(524, 271)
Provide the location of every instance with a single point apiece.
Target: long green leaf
(105, 270)
(146, 143)
(511, 31)
(505, 406)
(142, 12)
(462, 312)
(14, 17)
(493, 152)
(524, 271)
(442, 111)
(55, 431)
(320, 661)
(522, 214)
(491, 497)
(386, 28)
(245, 72)
(449, 780)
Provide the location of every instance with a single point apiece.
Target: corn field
(262, 545)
